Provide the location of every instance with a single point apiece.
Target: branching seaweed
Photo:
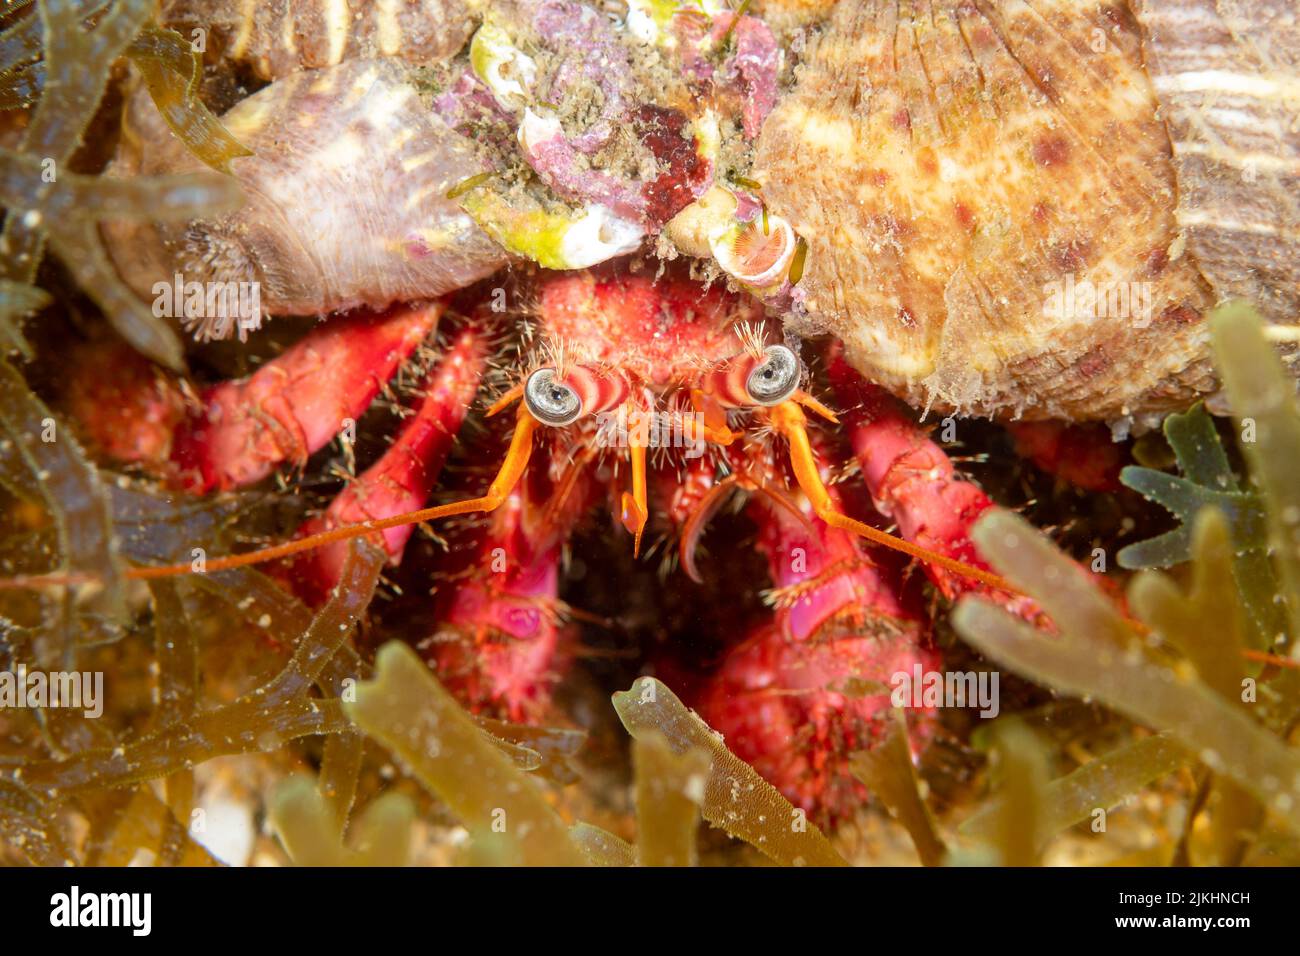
(1084, 660)
(258, 721)
(72, 491)
(68, 208)
(307, 826)
(1181, 668)
(1208, 482)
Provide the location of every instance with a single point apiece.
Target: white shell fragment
(599, 235)
(506, 70)
(1227, 76)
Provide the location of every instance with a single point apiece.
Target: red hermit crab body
(665, 398)
(399, 173)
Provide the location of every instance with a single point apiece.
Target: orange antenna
(789, 420)
(512, 469)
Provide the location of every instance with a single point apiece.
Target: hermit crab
(988, 207)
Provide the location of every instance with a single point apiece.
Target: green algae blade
(888, 773)
(602, 848)
(1102, 783)
(1263, 401)
(669, 788)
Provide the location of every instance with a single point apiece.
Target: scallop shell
(954, 166)
(347, 197)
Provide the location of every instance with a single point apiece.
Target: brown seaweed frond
(1102, 783)
(38, 453)
(669, 790)
(308, 827)
(262, 720)
(602, 848)
(77, 65)
(735, 798)
(172, 69)
(407, 711)
(888, 773)
(72, 78)
(66, 208)
(1085, 660)
(1262, 395)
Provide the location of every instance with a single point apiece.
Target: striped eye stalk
(559, 400)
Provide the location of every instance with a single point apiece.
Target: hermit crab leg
(404, 475)
(836, 618)
(789, 420)
(512, 469)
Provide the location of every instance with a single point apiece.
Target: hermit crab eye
(776, 378)
(551, 402)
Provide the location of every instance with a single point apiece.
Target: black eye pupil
(557, 396)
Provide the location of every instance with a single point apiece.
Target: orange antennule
(505, 401)
(789, 420)
(715, 419)
(635, 510)
(512, 469)
(810, 403)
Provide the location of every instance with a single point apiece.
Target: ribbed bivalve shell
(1227, 75)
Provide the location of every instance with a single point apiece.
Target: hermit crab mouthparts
(776, 378)
(550, 402)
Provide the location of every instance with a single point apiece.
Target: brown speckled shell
(949, 161)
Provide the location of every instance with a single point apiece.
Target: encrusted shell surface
(952, 164)
(346, 197)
